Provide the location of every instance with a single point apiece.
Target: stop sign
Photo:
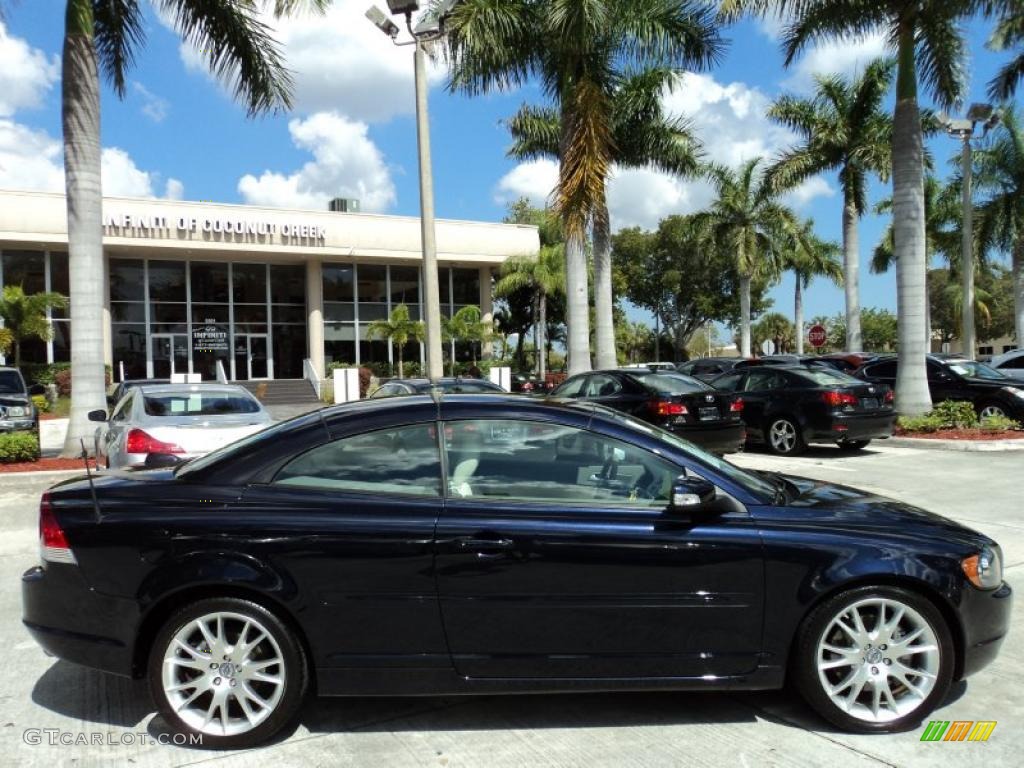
(817, 335)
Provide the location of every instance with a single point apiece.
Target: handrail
(309, 373)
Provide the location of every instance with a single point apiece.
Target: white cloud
(174, 190)
(340, 62)
(814, 187)
(346, 163)
(534, 180)
(26, 74)
(153, 106)
(847, 57)
(29, 159)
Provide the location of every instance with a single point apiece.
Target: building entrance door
(168, 355)
(252, 360)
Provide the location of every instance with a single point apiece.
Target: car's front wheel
(874, 659)
(227, 671)
(991, 410)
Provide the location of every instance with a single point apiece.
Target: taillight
(666, 408)
(889, 396)
(140, 441)
(736, 406)
(52, 541)
(839, 399)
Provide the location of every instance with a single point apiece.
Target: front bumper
(718, 438)
(17, 425)
(73, 622)
(985, 617)
(852, 427)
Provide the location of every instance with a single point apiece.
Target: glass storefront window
(247, 313)
(209, 282)
(209, 313)
(127, 312)
(334, 312)
(372, 284)
(288, 284)
(339, 282)
(129, 347)
(26, 269)
(168, 313)
(249, 283)
(61, 341)
(167, 281)
(405, 286)
(288, 313)
(466, 286)
(444, 276)
(127, 280)
(339, 343)
(289, 350)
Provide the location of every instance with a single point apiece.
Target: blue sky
(178, 134)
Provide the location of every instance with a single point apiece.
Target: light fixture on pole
(963, 129)
(428, 30)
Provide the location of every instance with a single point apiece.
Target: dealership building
(260, 290)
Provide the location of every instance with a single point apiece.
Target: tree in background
(746, 220)
(842, 127)
(106, 34)
(399, 330)
(1009, 33)
(808, 257)
(24, 316)
(878, 330)
(634, 338)
(468, 325)
(946, 295)
(578, 53)
(776, 328)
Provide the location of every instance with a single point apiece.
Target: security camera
(403, 6)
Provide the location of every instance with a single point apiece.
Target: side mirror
(36, 389)
(691, 495)
(161, 460)
(97, 415)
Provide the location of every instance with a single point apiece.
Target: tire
(850, 446)
(990, 408)
(238, 720)
(784, 437)
(873, 661)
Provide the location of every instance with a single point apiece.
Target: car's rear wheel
(853, 445)
(227, 670)
(874, 659)
(785, 437)
(992, 410)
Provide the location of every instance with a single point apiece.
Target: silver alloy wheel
(990, 411)
(783, 436)
(223, 673)
(878, 659)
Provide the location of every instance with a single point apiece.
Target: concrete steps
(282, 391)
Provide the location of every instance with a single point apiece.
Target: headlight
(985, 569)
(1016, 391)
(17, 411)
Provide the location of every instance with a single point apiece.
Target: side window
(122, 409)
(1017, 362)
(573, 387)
(728, 383)
(403, 460)
(760, 381)
(600, 385)
(548, 463)
(886, 370)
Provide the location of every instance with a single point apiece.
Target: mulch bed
(964, 434)
(46, 464)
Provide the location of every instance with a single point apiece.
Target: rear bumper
(985, 617)
(728, 438)
(850, 427)
(73, 622)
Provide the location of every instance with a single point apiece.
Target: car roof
(172, 389)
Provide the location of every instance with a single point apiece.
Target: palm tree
(747, 219)
(467, 325)
(844, 128)
(545, 276)
(776, 327)
(928, 38)
(999, 176)
(238, 48)
(642, 136)
(399, 330)
(1009, 32)
(634, 338)
(24, 316)
(808, 256)
(579, 52)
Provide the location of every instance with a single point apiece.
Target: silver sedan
(175, 422)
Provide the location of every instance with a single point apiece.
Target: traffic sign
(817, 335)
(768, 347)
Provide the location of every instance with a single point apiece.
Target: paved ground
(982, 490)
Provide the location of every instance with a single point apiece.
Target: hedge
(18, 446)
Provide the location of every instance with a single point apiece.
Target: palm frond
(118, 32)
(941, 53)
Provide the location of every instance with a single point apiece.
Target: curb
(32, 473)
(1007, 446)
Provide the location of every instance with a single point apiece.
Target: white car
(1011, 363)
(175, 422)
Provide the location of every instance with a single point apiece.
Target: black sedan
(707, 368)
(993, 392)
(485, 544)
(788, 407)
(672, 401)
(455, 385)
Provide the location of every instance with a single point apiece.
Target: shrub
(998, 424)
(41, 403)
(365, 374)
(62, 378)
(956, 414)
(926, 423)
(18, 446)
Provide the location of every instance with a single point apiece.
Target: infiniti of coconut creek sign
(232, 228)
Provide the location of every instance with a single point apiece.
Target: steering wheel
(646, 486)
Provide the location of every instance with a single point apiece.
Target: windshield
(829, 377)
(11, 383)
(974, 370)
(672, 383)
(198, 403)
(756, 485)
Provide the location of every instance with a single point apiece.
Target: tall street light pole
(427, 31)
(963, 129)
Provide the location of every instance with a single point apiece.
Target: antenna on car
(88, 473)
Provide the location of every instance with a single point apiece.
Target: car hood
(839, 507)
(8, 398)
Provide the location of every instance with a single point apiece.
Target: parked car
(1011, 363)
(175, 422)
(399, 387)
(681, 404)
(527, 383)
(541, 546)
(788, 407)
(992, 392)
(657, 366)
(752, 362)
(17, 411)
(847, 362)
(119, 390)
(707, 368)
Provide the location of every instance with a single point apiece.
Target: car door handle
(484, 548)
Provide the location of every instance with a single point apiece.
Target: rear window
(826, 377)
(471, 386)
(673, 384)
(197, 404)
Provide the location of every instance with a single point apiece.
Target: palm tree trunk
(17, 354)
(851, 274)
(80, 101)
(912, 395)
(520, 355)
(1018, 290)
(542, 323)
(536, 333)
(603, 320)
(577, 306)
(798, 315)
(744, 316)
(401, 373)
(927, 313)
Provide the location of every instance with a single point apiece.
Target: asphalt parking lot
(114, 717)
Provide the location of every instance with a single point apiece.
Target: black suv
(992, 392)
(16, 409)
